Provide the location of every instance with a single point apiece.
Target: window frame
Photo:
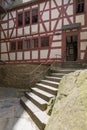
(44, 45)
(26, 24)
(20, 13)
(12, 50)
(35, 44)
(20, 46)
(34, 15)
(79, 6)
(27, 48)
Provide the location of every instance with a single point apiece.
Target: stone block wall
(21, 75)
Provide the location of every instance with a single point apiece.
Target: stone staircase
(35, 102)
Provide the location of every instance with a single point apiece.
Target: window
(34, 43)
(20, 19)
(80, 6)
(13, 46)
(44, 41)
(27, 44)
(20, 45)
(27, 18)
(34, 15)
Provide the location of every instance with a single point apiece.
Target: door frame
(70, 33)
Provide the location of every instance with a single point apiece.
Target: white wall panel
(26, 30)
(83, 35)
(43, 54)
(42, 6)
(59, 25)
(12, 56)
(54, 14)
(65, 1)
(47, 25)
(20, 31)
(34, 54)
(82, 55)
(19, 55)
(59, 2)
(3, 47)
(34, 29)
(47, 5)
(11, 23)
(4, 26)
(53, 24)
(52, 4)
(56, 44)
(55, 52)
(4, 57)
(45, 15)
(83, 45)
(80, 19)
(27, 55)
(70, 10)
(41, 28)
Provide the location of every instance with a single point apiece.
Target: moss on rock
(70, 109)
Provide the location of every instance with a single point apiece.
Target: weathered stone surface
(21, 75)
(70, 109)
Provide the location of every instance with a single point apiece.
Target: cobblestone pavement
(12, 115)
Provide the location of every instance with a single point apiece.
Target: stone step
(58, 74)
(50, 83)
(44, 95)
(39, 102)
(66, 71)
(53, 78)
(47, 88)
(39, 117)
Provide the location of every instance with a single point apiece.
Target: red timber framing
(49, 20)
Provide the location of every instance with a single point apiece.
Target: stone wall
(21, 75)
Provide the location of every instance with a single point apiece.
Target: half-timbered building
(35, 31)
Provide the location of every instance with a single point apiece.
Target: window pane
(27, 44)
(20, 19)
(45, 42)
(80, 6)
(20, 45)
(35, 16)
(13, 46)
(34, 43)
(27, 18)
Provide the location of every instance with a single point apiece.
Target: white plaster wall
(34, 28)
(4, 26)
(56, 44)
(42, 6)
(83, 45)
(54, 14)
(82, 55)
(26, 30)
(52, 4)
(41, 28)
(34, 54)
(55, 52)
(70, 10)
(53, 24)
(27, 55)
(80, 19)
(5, 18)
(20, 10)
(19, 55)
(3, 47)
(59, 2)
(66, 22)
(11, 23)
(47, 25)
(14, 33)
(5, 33)
(83, 35)
(4, 57)
(43, 54)
(2, 35)
(59, 25)
(26, 8)
(13, 14)
(20, 31)
(57, 37)
(47, 5)
(12, 56)
(65, 1)
(45, 15)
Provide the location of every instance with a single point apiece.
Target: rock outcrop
(70, 109)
